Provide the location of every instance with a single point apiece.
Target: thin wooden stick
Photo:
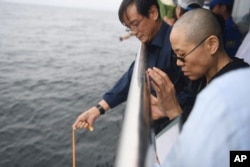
(90, 128)
(73, 148)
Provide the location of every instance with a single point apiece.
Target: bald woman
(196, 39)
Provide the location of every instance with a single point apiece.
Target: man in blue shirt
(232, 36)
(143, 19)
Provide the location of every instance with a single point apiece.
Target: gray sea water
(54, 64)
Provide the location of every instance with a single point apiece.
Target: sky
(110, 5)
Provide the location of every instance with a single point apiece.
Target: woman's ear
(213, 44)
(153, 12)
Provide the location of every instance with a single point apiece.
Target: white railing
(136, 145)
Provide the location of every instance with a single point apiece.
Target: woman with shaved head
(196, 38)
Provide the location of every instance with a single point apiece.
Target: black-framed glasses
(134, 25)
(182, 58)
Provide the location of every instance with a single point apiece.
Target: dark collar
(160, 36)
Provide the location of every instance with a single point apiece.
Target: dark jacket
(232, 37)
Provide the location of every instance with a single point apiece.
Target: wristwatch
(101, 109)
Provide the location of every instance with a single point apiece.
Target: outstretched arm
(87, 118)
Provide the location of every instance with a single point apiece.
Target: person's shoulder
(231, 89)
(238, 62)
(166, 27)
(164, 34)
(232, 26)
(234, 31)
(242, 75)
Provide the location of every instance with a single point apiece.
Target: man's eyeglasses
(134, 25)
(182, 58)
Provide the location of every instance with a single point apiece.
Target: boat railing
(136, 144)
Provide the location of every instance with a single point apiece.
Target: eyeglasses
(182, 58)
(134, 25)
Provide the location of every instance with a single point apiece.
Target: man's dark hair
(123, 7)
(142, 6)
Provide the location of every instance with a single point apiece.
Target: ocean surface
(54, 64)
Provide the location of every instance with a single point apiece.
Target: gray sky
(92, 4)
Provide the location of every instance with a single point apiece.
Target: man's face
(144, 28)
(217, 9)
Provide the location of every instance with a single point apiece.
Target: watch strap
(101, 109)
